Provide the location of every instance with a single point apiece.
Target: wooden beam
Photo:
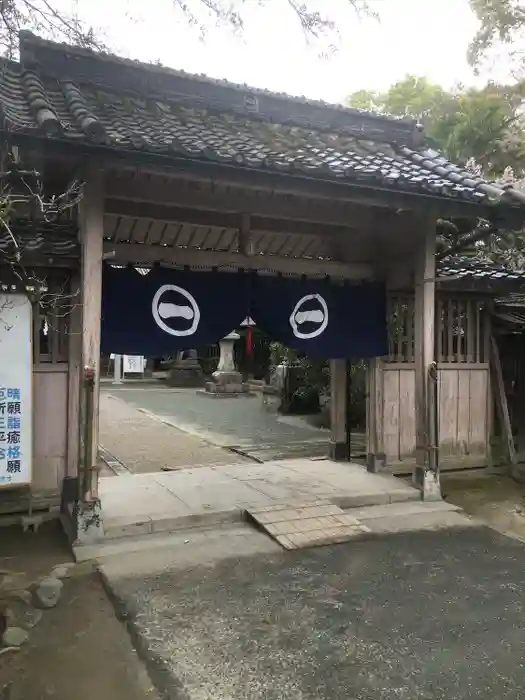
(233, 220)
(182, 193)
(137, 253)
(246, 243)
(338, 412)
(501, 402)
(91, 220)
(300, 184)
(426, 474)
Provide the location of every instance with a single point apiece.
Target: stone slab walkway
(143, 444)
(240, 424)
(167, 501)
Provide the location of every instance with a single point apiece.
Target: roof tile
(78, 95)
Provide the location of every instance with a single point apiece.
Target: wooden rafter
(178, 192)
(137, 253)
(203, 217)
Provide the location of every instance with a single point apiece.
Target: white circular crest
(295, 323)
(174, 311)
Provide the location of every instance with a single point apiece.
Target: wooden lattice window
(460, 329)
(50, 336)
(401, 328)
(461, 322)
(52, 319)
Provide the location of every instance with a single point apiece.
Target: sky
(422, 37)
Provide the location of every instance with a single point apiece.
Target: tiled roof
(78, 96)
(45, 239)
(461, 267)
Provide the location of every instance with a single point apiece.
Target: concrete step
(149, 552)
(133, 526)
(408, 508)
(411, 517)
(162, 551)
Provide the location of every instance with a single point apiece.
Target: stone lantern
(226, 381)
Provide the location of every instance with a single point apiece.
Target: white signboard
(16, 368)
(133, 364)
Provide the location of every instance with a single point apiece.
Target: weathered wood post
(74, 379)
(338, 412)
(376, 458)
(91, 221)
(426, 474)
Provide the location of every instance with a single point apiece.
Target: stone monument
(186, 372)
(226, 381)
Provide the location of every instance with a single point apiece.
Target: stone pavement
(429, 615)
(239, 424)
(143, 444)
(167, 501)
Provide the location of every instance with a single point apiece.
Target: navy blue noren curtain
(165, 310)
(322, 318)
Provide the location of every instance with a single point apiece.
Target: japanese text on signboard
(10, 434)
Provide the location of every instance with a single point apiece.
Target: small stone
(60, 571)
(21, 614)
(47, 592)
(14, 637)
(22, 596)
(12, 581)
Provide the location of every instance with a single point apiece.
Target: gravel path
(431, 616)
(144, 444)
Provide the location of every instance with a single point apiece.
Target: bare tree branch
(21, 190)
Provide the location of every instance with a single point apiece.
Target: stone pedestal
(226, 381)
(186, 372)
(89, 523)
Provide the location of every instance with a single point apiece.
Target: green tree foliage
(484, 125)
(482, 129)
(501, 23)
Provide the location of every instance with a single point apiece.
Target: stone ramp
(319, 523)
(307, 524)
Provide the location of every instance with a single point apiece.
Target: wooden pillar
(74, 379)
(91, 219)
(338, 411)
(376, 458)
(426, 475)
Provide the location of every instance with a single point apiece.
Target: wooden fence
(462, 355)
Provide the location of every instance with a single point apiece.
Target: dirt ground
(497, 500)
(79, 650)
